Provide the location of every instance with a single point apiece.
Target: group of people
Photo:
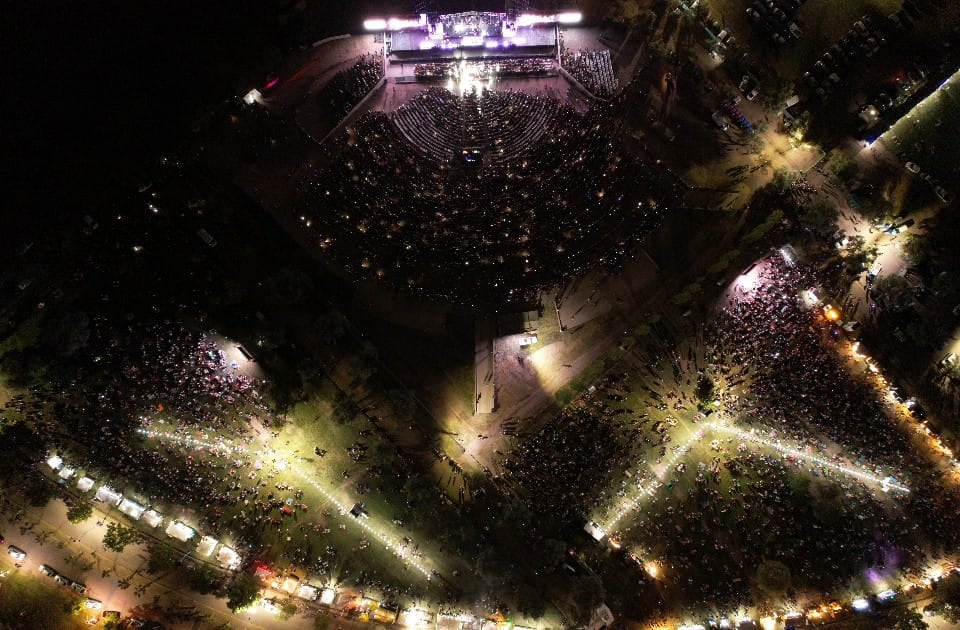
(426, 200)
(178, 431)
(507, 67)
(593, 69)
(715, 508)
(350, 85)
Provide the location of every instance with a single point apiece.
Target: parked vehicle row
(864, 39)
(776, 19)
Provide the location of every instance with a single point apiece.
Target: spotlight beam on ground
(392, 543)
(649, 490)
(791, 450)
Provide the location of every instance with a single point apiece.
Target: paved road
(53, 539)
(484, 379)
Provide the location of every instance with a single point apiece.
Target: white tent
(327, 596)
(595, 531)
(66, 472)
(206, 546)
(85, 484)
(132, 509)
(108, 495)
(308, 592)
(415, 618)
(228, 557)
(178, 530)
(152, 518)
(55, 462)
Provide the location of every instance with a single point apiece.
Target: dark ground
(97, 91)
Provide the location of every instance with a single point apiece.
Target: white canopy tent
(181, 532)
(308, 592)
(327, 596)
(108, 495)
(228, 558)
(206, 546)
(132, 509)
(152, 518)
(85, 484)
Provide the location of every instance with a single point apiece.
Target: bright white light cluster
(650, 490)
(792, 451)
(392, 543)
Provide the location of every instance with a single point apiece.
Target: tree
(39, 491)
(916, 247)
(118, 537)
(79, 513)
(203, 579)
(903, 618)
(162, 558)
(242, 592)
(774, 93)
(287, 608)
(705, 389)
(821, 217)
(67, 333)
(588, 593)
(842, 167)
(892, 292)
(773, 577)
(948, 599)
(857, 256)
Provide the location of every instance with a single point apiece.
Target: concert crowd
(350, 85)
(402, 207)
(779, 369)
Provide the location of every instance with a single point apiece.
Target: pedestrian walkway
(484, 379)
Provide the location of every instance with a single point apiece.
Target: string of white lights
(392, 543)
(793, 451)
(650, 490)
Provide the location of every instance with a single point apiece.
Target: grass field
(28, 602)
(930, 134)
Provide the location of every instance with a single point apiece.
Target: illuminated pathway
(786, 448)
(650, 489)
(224, 448)
(791, 451)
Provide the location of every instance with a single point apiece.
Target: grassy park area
(28, 601)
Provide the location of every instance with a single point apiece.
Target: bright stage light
(375, 24)
(573, 17)
(398, 24)
(251, 97)
(860, 604)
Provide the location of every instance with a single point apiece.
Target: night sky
(98, 90)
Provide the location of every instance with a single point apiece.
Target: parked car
(95, 604)
(47, 570)
(913, 167)
(17, 553)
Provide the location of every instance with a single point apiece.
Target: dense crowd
(177, 430)
(350, 85)
(519, 67)
(776, 370)
(492, 194)
(593, 69)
